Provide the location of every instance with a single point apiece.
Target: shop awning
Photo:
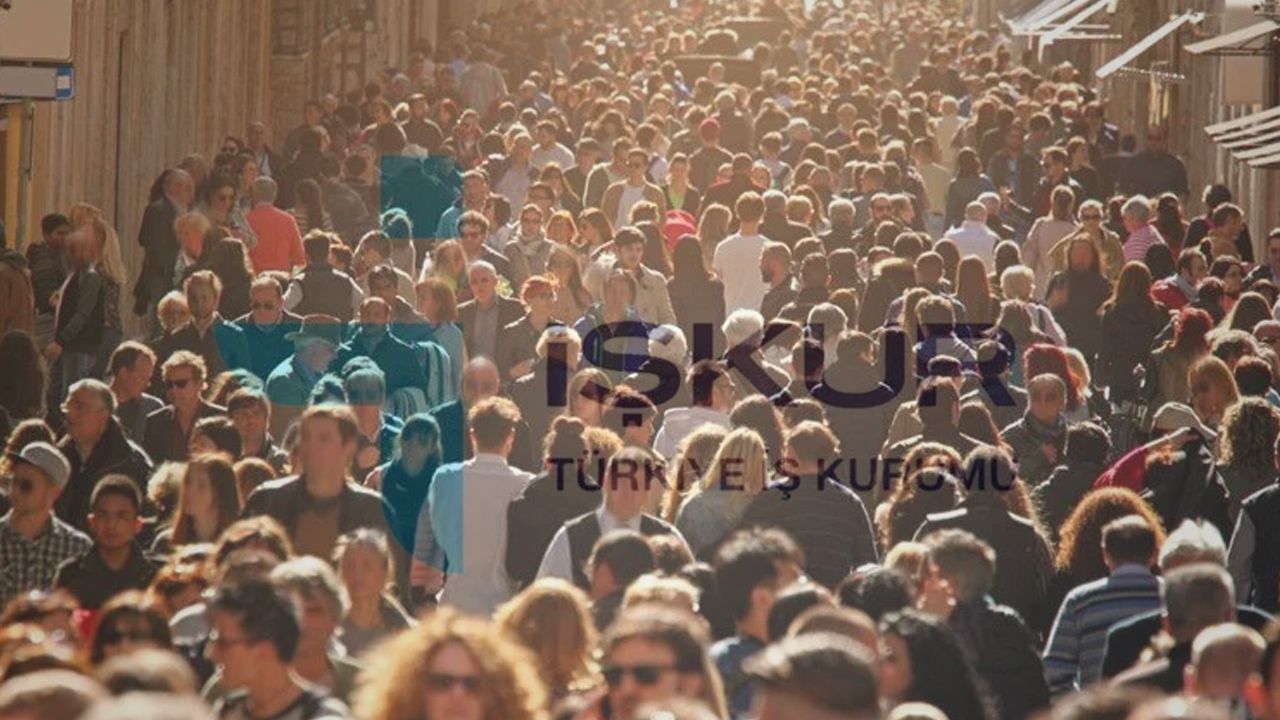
(1248, 131)
(1060, 31)
(1146, 43)
(1262, 151)
(1229, 43)
(1243, 121)
(1271, 159)
(1049, 11)
(1250, 140)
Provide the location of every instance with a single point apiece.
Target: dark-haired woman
(1076, 294)
(405, 480)
(921, 660)
(1131, 320)
(697, 296)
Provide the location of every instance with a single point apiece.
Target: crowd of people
(629, 366)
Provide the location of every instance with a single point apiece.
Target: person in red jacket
(1179, 290)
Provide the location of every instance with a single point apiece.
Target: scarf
(1054, 432)
(530, 247)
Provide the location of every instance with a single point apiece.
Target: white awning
(1242, 121)
(1267, 160)
(1060, 31)
(1045, 13)
(1234, 39)
(1248, 131)
(1251, 140)
(1270, 148)
(1147, 43)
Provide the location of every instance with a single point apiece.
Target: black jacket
(284, 499)
(509, 311)
(159, 241)
(699, 303)
(164, 441)
(1057, 496)
(1128, 638)
(826, 519)
(114, 453)
(268, 346)
(1025, 564)
(93, 583)
(549, 501)
(1130, 331)
(1190, 488)
(1005, 656)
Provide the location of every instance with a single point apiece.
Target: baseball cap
(46, 457)
(1175, 416)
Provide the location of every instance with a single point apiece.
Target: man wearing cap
(289, 385)
(33, 542)
(705, 164)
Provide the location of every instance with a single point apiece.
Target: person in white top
(937, 180)
(467, 511)
(1046, 232)
(713, 397)
(737, 258)
(548, 150)
(626, 489)
(973, 237)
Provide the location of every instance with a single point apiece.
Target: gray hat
(46, 457)
(1175, 416)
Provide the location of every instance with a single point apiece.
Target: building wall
(158, 79)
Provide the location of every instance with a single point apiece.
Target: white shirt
(937, 180)
(467, 512)
(679, 423)
(558, 562)
(737, 263)
(631, 194)
(557, 153)
(975, 238)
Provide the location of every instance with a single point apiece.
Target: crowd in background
(863, 370)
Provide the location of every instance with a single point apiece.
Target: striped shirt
(1073, 654)
(1139, 241)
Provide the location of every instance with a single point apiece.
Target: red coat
(1166, 291)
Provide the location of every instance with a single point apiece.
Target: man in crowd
(33, 542)
(624, 487)
(168, 430)
(737, 256)
(463, 521)
(251, 414)
(220, 344)
(483, 317)
(1181, 289)
(266, 326)
(96, 445)
(320, 289)
(319, 504)
(131, 368)
(115, 562)
(279, 241)
(158, 236)
(288, 387)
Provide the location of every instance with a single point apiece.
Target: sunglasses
(531, 220)
(171, 384)
(226, 197)
(444, 682)
(1090, 216)
(647, 675)
(262, 306)
(23, 486)
(880, 208)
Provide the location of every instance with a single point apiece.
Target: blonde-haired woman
(451, 666)
(105, 246)
(737, 474)
(552, 619)
(1213, 390)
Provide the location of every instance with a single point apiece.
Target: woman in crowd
(1166, 376)
(105, 251)
(517, 352)
(1230, 271)
(1213, 390)
(697, 297)
(439, 306)
(1047, 232)
(451, 666)
(1170, 223)
(363, 560)
(1246, 449)
(969, 182)
(309, 211)
(1131, 320)
(208, 502)
(735, 476)
(922, 660)
(694, 456)
(1079, 559)
(572, 298)
(552, 620)
(973, 290)
(679, 194)
(405, 480)
(713, 227)
(1076, 294)
(127, 623)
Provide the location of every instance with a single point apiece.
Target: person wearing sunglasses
(451, 666)
(653, 654)
(256, 630)
(621, 196)
(168, 433)
(95, 444)
(30, 531)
